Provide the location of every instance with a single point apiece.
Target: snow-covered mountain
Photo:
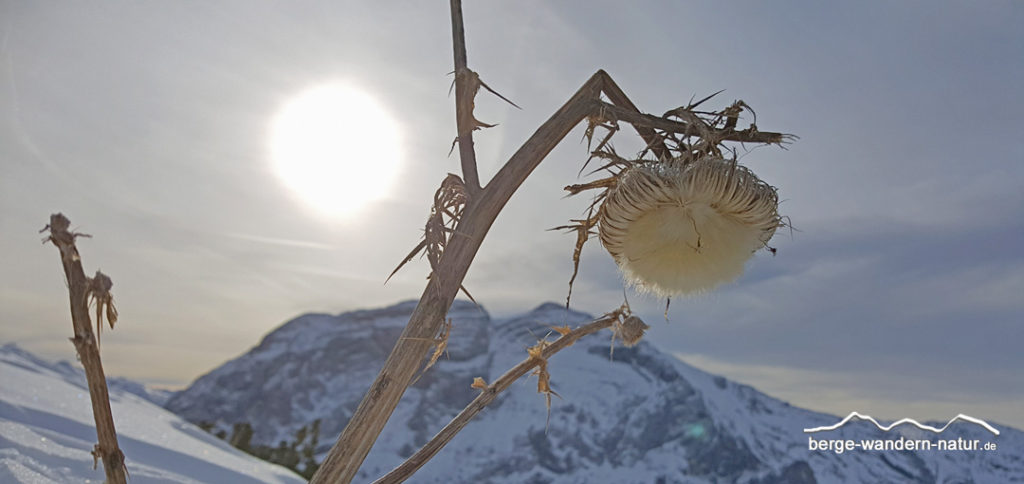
(47, 432)
(75, 375)
(642, 416)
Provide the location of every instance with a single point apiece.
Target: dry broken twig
(535, 362)
(80, 289)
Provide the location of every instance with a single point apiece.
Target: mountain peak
(549, 306)
(639, 415)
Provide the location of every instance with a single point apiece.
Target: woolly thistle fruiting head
(679, 228)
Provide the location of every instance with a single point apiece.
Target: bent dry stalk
(488, 393)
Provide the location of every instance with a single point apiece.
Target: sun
(336, 148)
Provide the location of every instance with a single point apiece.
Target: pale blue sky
(898, 295)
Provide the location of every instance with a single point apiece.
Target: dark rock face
(637, 415)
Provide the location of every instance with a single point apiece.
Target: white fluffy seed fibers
(678, 229)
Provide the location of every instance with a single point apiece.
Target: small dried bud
(631, 330)
(479, 383)
(100, 285)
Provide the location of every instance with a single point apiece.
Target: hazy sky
(899, 294)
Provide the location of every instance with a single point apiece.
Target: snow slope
(47, 432)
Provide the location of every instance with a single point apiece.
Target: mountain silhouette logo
(886, 428)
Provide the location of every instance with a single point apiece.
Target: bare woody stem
(85, 344)
(488, 395)
(465, 123)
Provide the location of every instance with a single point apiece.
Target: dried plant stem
(463, 107)
(415, 342)
(380, 401)
(369, 419)
(488, 395)
(85, 344)
(480, 211)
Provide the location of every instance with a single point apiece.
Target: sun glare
(336, 148)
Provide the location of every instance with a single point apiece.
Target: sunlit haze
(240, 163)
(336, 148)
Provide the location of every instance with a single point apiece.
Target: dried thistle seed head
(631, 330)
(678, 228)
